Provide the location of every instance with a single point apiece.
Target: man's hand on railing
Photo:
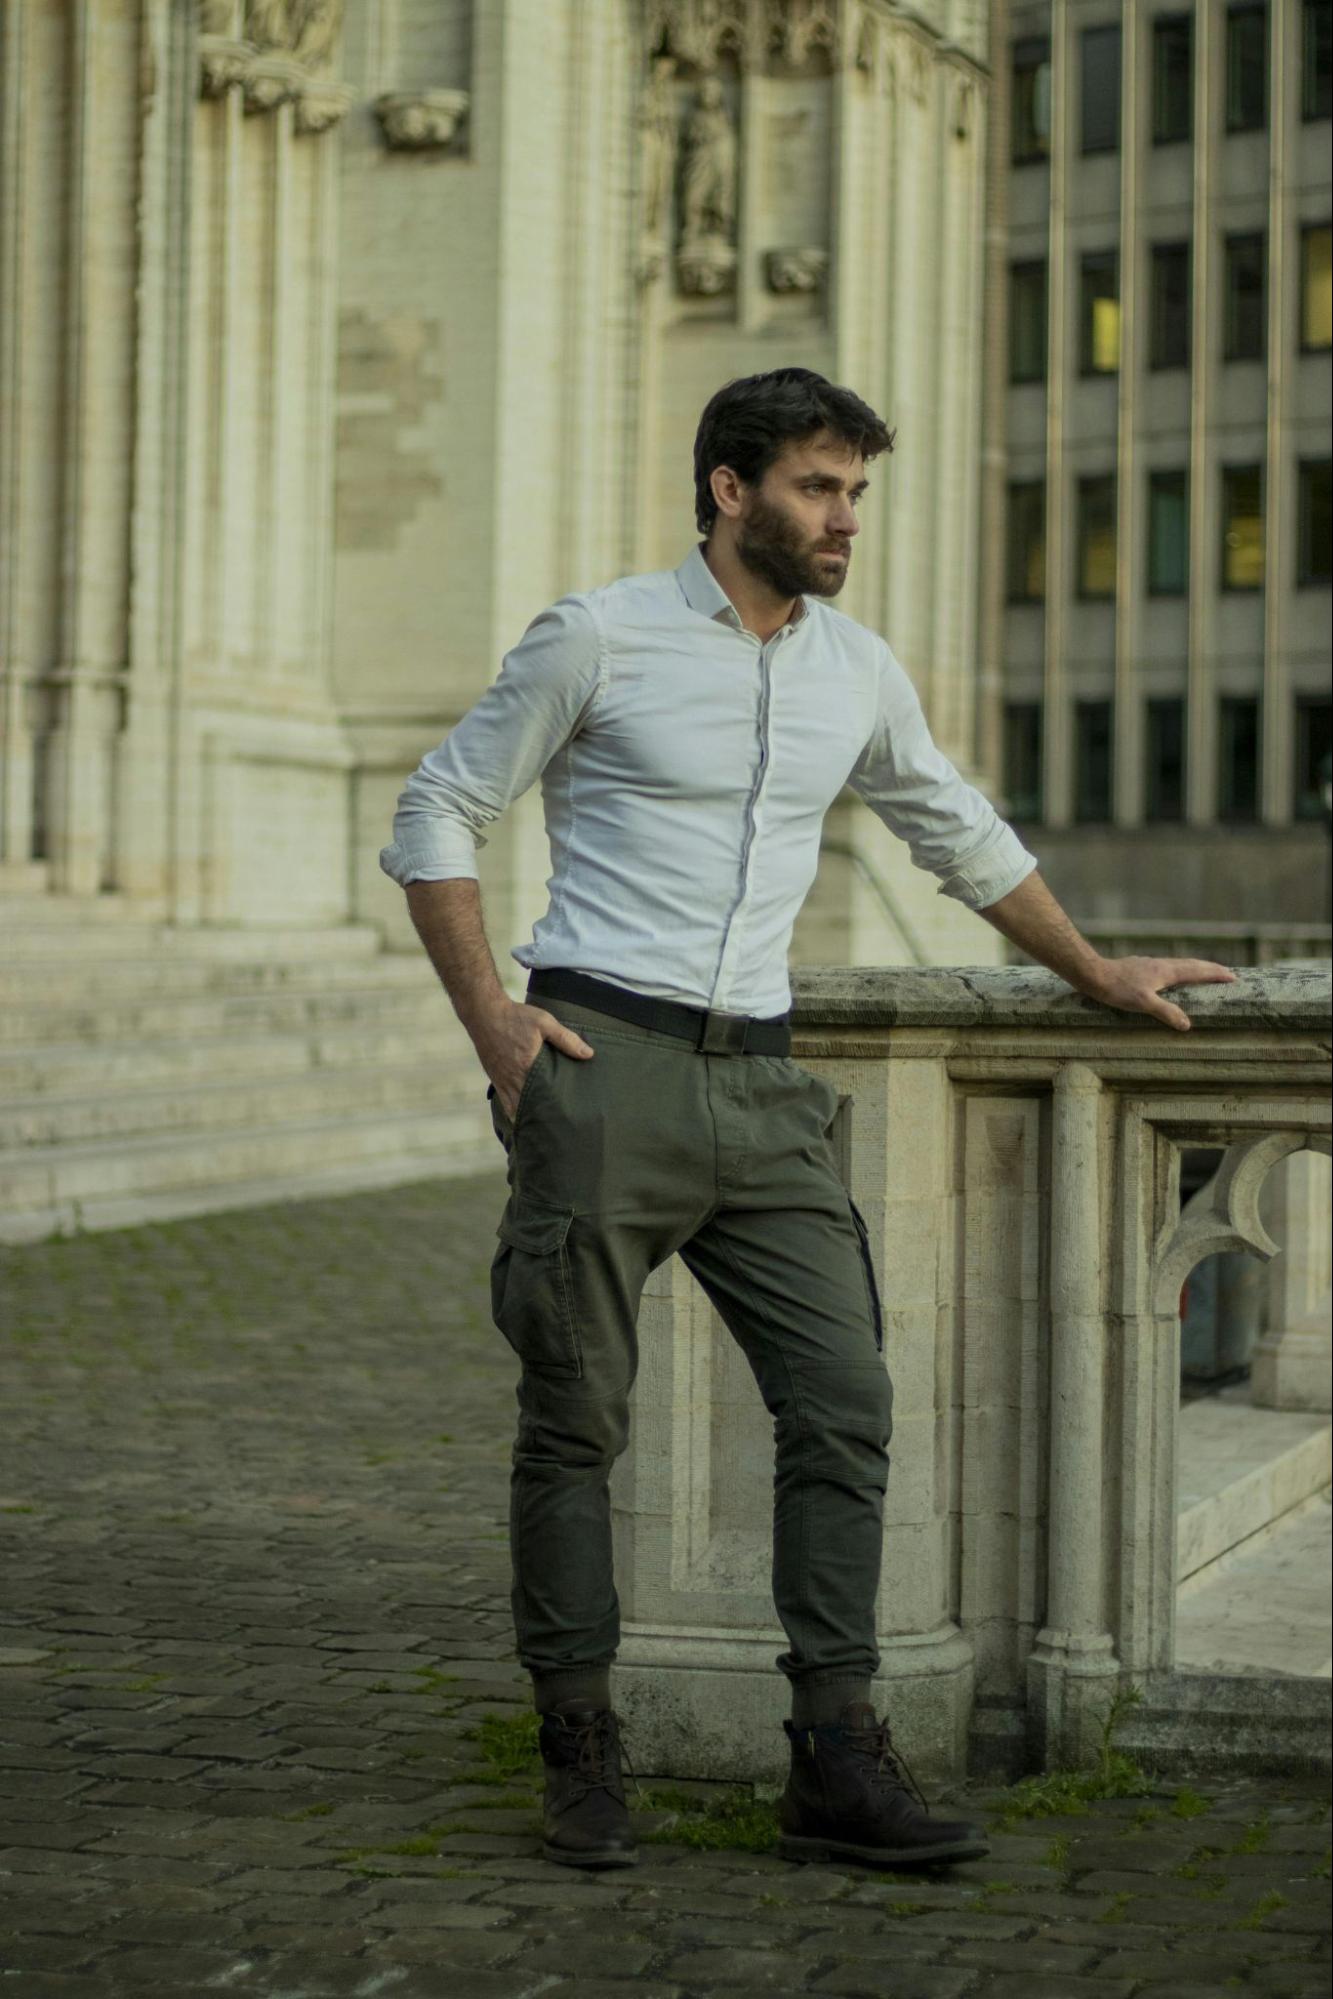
(1031, 917)
(1135, 983)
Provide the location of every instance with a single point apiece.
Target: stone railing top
(1286, 997)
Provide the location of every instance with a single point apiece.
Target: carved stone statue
(306, 29)
(657, 141)
(708, 183)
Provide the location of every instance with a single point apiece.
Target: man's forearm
(447, 915)
(1031, 917)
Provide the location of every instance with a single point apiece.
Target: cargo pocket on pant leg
(532, 1289)
(872, 1288)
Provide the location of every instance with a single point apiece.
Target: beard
(770, 543)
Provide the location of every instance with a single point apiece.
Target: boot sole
(608, 1857)
(793, 1847)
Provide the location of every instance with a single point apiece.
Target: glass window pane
(1031, 107)
(1164, 745)
(1100, 281)
(1092, 762)
(1247, 68)
(1314, 743)
(1170, 342)
(1246, 261)
(1172, 79)
(1238, 759)
(1100, 83)
(1314, 563)
(1027, 322)
(1096, 536)
(1022, 759)
(1026, 532)
(1316, 287)
(1317, 60)
(1168, 534)
(1242, 527)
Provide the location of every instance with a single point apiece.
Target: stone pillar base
(1293, 1368)
(720, 1717)
(1071, 1682)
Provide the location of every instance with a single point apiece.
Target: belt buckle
(723, 1034)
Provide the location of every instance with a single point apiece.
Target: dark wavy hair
(750, 421)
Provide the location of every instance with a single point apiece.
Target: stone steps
(150, 1016)
(148, 1071)
(1239, 1469)
(51, 1072)
(117, 1183)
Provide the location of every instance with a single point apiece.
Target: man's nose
(844, 519)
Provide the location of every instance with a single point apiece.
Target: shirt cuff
(404, 867)
(992, 874)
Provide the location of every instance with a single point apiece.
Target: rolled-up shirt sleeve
(546, 686)
(950, 829)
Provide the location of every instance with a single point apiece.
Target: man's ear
(727, 490)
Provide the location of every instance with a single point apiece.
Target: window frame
(1156, 475)
(1309, 67)
(1107, 30)
(1015, 800)
(1231, 238)
(1235, 67)
(1308, 229)
(1080, 709)
(1023, 485)
(1250, 466)
(1085, 483)
(1086, 300)
(1161, 24)
(1157, 705)
(1228, 815)
(1024, 265)
(1307, 537)
(1028, 43)
(1156, 258)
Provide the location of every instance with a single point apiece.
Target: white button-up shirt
(686, 769)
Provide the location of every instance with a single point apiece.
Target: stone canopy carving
(704, 32)
(421, 120)
(272, 52)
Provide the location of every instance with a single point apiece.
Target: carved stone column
(1293, 1359)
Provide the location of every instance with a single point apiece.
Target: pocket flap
(537, 1231)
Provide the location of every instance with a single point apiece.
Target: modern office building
(1158, 599)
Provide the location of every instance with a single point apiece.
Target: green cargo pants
(616, 1162)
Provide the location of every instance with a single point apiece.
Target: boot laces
(890, 1772)
(593, 1767)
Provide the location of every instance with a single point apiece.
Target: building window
(1031, 100)
(1317, 60)
(1242, 527)
(1026, 553)
(1172, 79)
(1164, 747)
(1168, 534)
(1099, 277)
(1169, 346)
(1238, 760)
(1027, 322)
(1314, 755)
(1244, 328)
(1092, 762)
(1316, 288)
(1314, 535)
(1247, 68)
(1022, 759)
(1096, 536)
(1099, 72)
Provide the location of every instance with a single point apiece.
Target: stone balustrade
(1015, 1150)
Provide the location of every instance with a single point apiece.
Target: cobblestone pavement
(255, 1611)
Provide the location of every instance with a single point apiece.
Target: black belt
(709, 1033)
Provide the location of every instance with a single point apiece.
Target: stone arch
(1224, 1213)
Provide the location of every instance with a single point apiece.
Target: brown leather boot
(850, 1796)
(584, 1816)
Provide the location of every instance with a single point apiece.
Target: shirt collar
(704, 594)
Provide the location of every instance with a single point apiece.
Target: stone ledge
(1275, 997)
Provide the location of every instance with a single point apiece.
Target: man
(691, 730)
